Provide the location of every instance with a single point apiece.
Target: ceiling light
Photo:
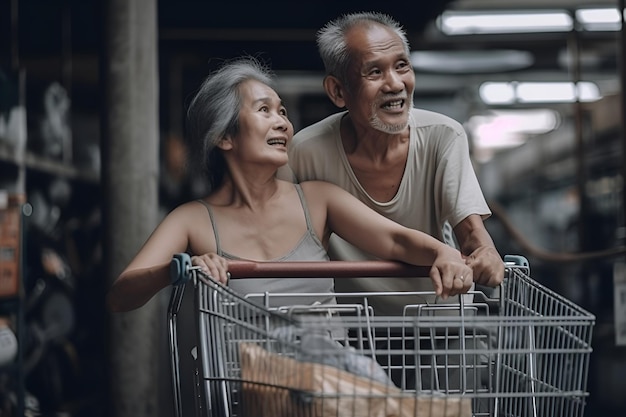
(509, 128)
(471, 62)
(497, 93)
(464, 23)
(497, 123)
(502, 93)
(599, 19)
(556, 92)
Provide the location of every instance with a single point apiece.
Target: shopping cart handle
(326, 269)
(180, 268)
(516, 260)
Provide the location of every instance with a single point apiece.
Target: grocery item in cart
(279, 386)
(317, 346)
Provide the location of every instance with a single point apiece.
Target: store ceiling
(283, 33)
(284, 30)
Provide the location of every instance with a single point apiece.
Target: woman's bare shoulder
(323, 188)
(189, 210)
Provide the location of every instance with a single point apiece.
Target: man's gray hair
(331, 40)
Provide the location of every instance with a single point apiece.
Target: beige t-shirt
(439, 189)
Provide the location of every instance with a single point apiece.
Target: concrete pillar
(130, 152)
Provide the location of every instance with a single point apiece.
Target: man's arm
(481, 253)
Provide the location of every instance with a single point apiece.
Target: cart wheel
(180, 268)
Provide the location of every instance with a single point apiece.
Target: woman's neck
(254, 193)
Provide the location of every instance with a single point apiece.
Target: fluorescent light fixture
(505, 129)
(503, 93)
(471, 61)
(497, 93)
(465, 23)
(545, 92)
(605, 19)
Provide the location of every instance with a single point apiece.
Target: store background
(555, 190)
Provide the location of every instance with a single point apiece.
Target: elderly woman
(240, 133)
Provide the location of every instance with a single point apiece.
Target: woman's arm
(148, 272)
(364, 228)
(135, 287)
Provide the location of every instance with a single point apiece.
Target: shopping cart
(520, 352)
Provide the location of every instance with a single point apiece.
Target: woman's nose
(282, 122)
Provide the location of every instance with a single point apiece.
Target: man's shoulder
(322, 129)
(429, 118)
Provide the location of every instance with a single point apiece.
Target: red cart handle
(324, 269)
(180, 269)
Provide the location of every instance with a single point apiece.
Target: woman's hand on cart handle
(210, 264)
(450, 274)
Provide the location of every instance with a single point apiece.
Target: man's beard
(393, 128)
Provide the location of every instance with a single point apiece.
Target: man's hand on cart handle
(487, 265)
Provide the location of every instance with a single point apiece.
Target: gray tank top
(309, 248)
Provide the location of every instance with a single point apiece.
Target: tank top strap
(214, 225)
(305, 208)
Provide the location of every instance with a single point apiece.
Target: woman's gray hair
(331, 40)
(214, 113)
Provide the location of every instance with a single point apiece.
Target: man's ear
(334, 90)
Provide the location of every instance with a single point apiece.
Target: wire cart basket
(522, 351)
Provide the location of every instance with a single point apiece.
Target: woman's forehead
(254, 90)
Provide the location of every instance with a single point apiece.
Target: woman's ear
(225, 143)
(334, 90)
